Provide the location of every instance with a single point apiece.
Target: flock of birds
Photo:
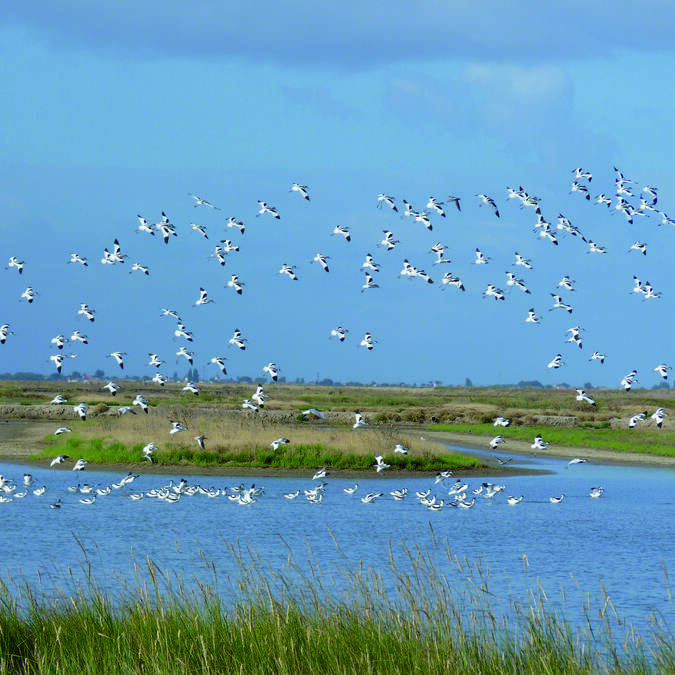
(459, 495)
(626, 201)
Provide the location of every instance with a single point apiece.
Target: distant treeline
(193, 376)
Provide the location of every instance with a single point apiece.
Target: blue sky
(113, 109)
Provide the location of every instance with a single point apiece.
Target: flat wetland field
(425, 419)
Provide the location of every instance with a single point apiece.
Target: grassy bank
(430, 619)
(100, 450)
(619, 440)
(245, 441)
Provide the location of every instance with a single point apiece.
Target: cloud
(354, 33)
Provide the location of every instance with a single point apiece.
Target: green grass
(100, 450)
(619, 440)
(429, 620)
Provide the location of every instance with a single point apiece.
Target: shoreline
(517, 447)
(19, 443)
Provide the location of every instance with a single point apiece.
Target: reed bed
(423, 613)
(245, 441)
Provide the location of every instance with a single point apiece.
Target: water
(623, 542)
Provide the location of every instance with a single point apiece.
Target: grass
(245, 441)
(99, 450)
(618, 440)
(424, 618)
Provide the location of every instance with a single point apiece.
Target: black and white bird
(203, 298)
(220, 362)
(112, 387)
(289, 271)
(81, 410)
(266, 208)
(237, 224)
(597, 356)
(59, 341)
(341, 230)
(29, 294)
(559, 304)
(59, 459)
(501, 421)
(5, 332)
(580, 188)
(370, 264)
(238, 340)
(380, 465)
(359, 420)
(639, 246)
(387, 200)
(80, 465)
(202, 202)
(556, 362)
(176, 428)
(368, 283)
(522, 261)
(532, 317)
(86, 311)
(200, 440)
(321, 259)
(144, 226)
(633, 421)
(189, 356)
(276, 444)
(302, 190)
(582, 396)
(15, 262)
(496, 442)
(368, 342)
(662, 369)
(272, 370)
(436, 205)
(201, 229)
(488, 201)
(575, 336)
(481, 258)
(389, 243)
(191, 388)
(539, 443)
(629, 380)
(76, 258)
(119, 358)
(148, 451)
(449, 279)
(659, 417)
(235, 284)
(340, 333)
(79, 337)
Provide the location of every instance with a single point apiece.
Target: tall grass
(426, 616)
(296, 456)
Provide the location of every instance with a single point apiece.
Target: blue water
(623, 542)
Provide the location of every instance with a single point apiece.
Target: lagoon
(578, 553)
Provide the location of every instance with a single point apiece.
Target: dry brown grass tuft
(242, 432)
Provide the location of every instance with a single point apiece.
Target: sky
(113, 109)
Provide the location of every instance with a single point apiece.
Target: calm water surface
(623, 542)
